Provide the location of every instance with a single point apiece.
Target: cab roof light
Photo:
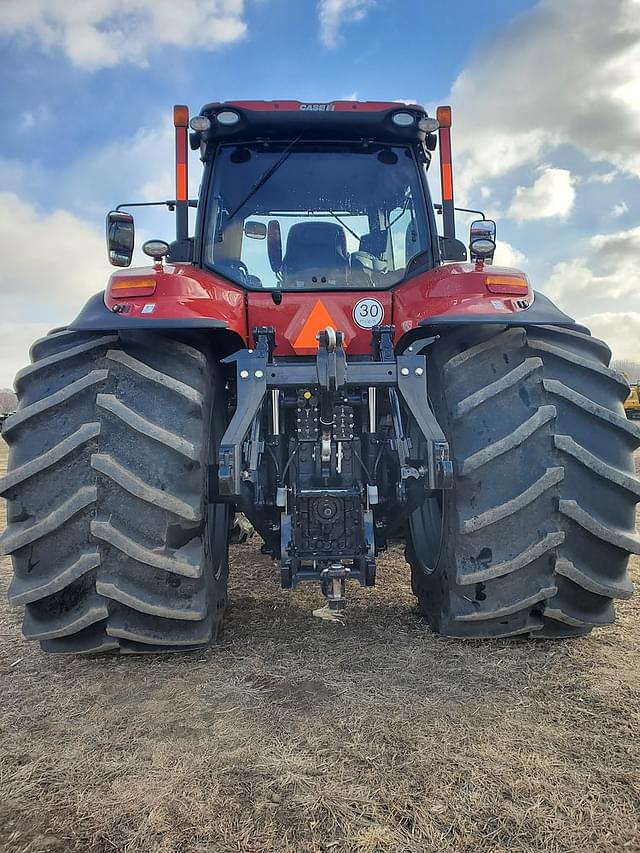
(200, 124)
(403, 119)
(227, 118)
(428, 124)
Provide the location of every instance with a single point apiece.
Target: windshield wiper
(262, 180)
(344, 225)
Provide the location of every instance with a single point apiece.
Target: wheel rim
(426, 534)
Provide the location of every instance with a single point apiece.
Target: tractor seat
(316, 254)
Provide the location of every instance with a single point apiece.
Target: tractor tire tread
(106, 490)
(540, 524)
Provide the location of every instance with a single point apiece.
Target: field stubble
(294, 734)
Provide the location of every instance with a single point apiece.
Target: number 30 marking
(368, 313)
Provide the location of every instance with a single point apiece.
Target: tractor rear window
(300, 215)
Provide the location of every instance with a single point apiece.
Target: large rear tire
(535, 536)
(115, 547)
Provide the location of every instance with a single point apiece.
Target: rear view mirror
(120, 238)
(255, 230)
(482, 240)
(274, 245)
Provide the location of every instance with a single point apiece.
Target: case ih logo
(318, 108)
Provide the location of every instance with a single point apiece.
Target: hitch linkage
(256, 373)
(320, 520)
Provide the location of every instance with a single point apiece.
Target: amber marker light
(180, 116)
(443, 116)
(517, 285)
(132, 287)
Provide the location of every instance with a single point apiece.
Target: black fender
(541, 312)
(96, 317)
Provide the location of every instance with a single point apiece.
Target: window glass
(315, 215)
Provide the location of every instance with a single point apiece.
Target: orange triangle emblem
(318, 319)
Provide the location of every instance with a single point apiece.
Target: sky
(546, 135)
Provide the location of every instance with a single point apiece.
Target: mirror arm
(438, 209)
(170, 203)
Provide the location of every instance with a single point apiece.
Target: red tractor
(316, 357)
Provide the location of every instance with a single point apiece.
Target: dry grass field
(296, 734)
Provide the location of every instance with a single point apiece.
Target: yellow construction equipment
(632, 403)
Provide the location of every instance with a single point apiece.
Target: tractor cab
(305, 196)
(315, 196)
(315, 215)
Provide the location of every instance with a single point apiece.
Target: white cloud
(53, 258)
(619, 209)
(333, 14)
(508, 256)
(602, 178)
(52, 263)
(15, 341)
(604, 278)
(37, 118)
(552, 194)
(620, 246)
(620, 330)
(564, 73)
(48, 257)
(26, 120)
(139, 167)
(99, 34)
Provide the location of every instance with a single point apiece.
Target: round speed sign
(368, 313)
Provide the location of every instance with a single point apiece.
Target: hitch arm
(251, 376)
(412, 388)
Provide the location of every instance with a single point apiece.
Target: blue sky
(546, 126)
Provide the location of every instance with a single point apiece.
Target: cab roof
(302, 106)
(332, 120)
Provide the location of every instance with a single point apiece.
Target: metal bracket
(251, 376)
(412, 387)
(264, 338)
(382, 343)
(333, 583)
(331, 362)
(412, 383)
